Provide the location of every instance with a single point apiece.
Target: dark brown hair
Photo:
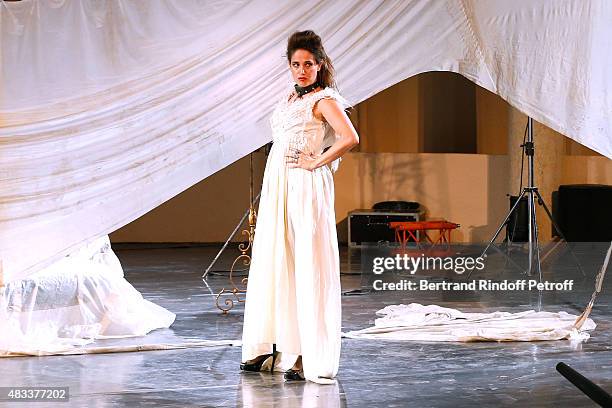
(309, 41)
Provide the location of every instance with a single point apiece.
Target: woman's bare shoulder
(328, 98)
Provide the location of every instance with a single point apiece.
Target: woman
(293, 292)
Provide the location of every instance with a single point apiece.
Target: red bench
(406, 230)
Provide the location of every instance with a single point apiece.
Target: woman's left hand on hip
(296, 158)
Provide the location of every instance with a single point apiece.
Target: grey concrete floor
(372, 373)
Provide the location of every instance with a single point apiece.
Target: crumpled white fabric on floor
(110, 108)
(80, 298)
(416, 322)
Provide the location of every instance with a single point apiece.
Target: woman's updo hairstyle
(309, 41)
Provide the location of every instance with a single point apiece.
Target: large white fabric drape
(110, 108)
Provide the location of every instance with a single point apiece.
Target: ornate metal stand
(237, 292)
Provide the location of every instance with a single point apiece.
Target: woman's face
(304, 67)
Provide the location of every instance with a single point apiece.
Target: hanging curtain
(110, 108)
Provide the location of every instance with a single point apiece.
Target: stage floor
(372, 373)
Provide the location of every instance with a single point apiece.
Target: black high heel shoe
(255, 366)
(294, 375)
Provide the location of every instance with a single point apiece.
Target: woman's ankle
(297, 366)
(257, 359)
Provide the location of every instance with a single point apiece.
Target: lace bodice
(294, 125)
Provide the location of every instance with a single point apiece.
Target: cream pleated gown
(293, 291)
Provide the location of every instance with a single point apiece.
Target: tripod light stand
(532, 193)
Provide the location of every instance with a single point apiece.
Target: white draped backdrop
(110, 108)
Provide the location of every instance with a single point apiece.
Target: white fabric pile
(416, 322)
(81, 298)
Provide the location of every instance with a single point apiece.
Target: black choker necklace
(301, 91)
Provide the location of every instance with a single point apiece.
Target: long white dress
(293, 290)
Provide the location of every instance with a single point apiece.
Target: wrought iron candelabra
(236, 291)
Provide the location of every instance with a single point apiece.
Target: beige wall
(463, 188)
(469, 189)
(389, 121)
(434, 112)
(491, 122)
(447, 110)
(587, 170)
